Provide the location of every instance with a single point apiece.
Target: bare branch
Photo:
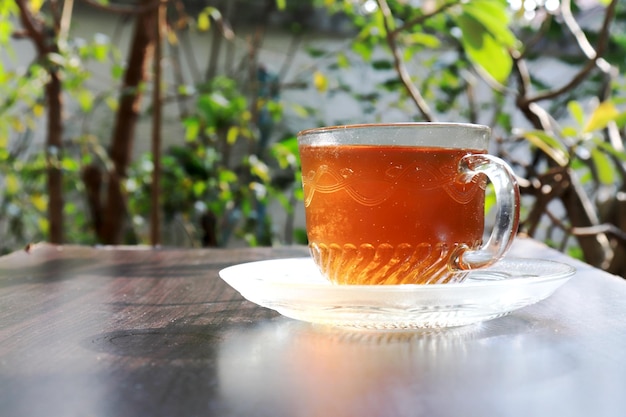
(421, 19)
(529, 44)
(157, 105)
(399, 63)
(607, 228)
(33, 27)
(595, 56)
(66, 18)
(532, 111)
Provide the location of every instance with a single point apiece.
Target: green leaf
(290, 144)
(490, 199)
(621, 120)
(342, 60)
(392, 84)
(192, 128)
(204, 18)
(315, 52)
(69, 164)
(286, 152)
(493, 17)
(483, 50)
(576, 110)
(85, 100)
(11, 184)
(198, 188)
(601, 116)
(186, 90)
(365, 51)
(35, 5)
(39, 201)
(206, 109)
(227, 176)
(299, 110)
(549, 145)
(232, 135)
(569, 132)
(259, 168)
(604, 166)
(43, 224)
(204, 22)
(382, 64)
(6, 30)
(486, 36)
(421, 38)
(112, 103)
(320, 81)
(281, 4)
(7, 8)
(298, 193)
(606, 147)
(100, 52)
(117, 71)
(70, 208)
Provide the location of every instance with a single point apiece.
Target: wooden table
(140, 332)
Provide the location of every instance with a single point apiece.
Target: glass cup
(404, 203)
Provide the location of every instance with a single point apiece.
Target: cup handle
(507, 211)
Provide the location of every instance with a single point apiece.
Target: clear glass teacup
(404, 203)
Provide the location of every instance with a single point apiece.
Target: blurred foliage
(483, 61)
(216, 185)
(550, 89)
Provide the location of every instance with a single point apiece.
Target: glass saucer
(296, 289)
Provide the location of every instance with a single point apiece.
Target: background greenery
(544, 74)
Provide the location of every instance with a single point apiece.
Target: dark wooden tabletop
(143, 332)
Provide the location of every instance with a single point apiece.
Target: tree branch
(595, 56)
(66, 18)
(157, 104)
(421, 19)
(399, 63)
(606, 228)
(33, 27)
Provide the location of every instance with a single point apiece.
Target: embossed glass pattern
(373, 211)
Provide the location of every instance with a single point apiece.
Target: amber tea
(381, 204)
(394, 213)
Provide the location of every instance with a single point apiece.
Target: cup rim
(323, 129)
(428, 134)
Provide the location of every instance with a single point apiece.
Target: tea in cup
(404, 203)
